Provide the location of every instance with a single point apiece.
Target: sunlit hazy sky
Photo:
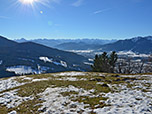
(106, 19)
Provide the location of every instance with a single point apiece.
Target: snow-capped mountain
(28, 57)
(69, 44)
(138, 44)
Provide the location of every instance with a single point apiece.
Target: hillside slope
(76, 93)
(29, 57)
(4, 42)
(138, 44)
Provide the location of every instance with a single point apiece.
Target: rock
(80, 111)
(73, 106)
(96, 79)
(72, 110)
(116, 76)
(117, 80)
(126, 79)
(104, 85)
(42, 109)
(92, 91)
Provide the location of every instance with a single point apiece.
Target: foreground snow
(136, 99)
(56, 103)
(9, 83)
(70, 74)
(128, 101)
(11, 99)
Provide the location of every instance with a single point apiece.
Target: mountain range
(62, 43)
(77, 46)
(29, 57)
(137, 45)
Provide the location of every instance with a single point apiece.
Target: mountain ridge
(26, 56)
(56, 42)
(137, 44)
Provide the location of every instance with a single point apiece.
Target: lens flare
(27, 1)
(32, 5)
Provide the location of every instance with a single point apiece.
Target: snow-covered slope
(139, 44)
(77, 93)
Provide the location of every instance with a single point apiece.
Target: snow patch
(27, 78)
(46, 59)
(91, 60)
(132, 54)
(21, 70)
(80, 51)
(42, 79)
(9, 83)
(11, 99)
(87, 63)
(71, 79)
(1, 62)
(70, 74)
(54, 102)
(127, 102)
(63, 63)
(13, 112)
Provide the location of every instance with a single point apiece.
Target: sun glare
(27, 1)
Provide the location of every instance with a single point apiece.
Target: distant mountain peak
(136, 39)
(21, 40)
(139, 38)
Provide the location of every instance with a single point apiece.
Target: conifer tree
(112, 61)
(96, 67)
(105, 63)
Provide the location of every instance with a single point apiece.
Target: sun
(27, 1)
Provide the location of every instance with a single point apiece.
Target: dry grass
(34, 88)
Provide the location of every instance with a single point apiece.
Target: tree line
(105, 63)
(110, 63)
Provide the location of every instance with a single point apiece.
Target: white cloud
(101, 11)
(78, 3)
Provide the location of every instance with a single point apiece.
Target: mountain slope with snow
(138, 44)
(76, 93)
(21, 58)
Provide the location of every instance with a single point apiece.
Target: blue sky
(71, 19)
